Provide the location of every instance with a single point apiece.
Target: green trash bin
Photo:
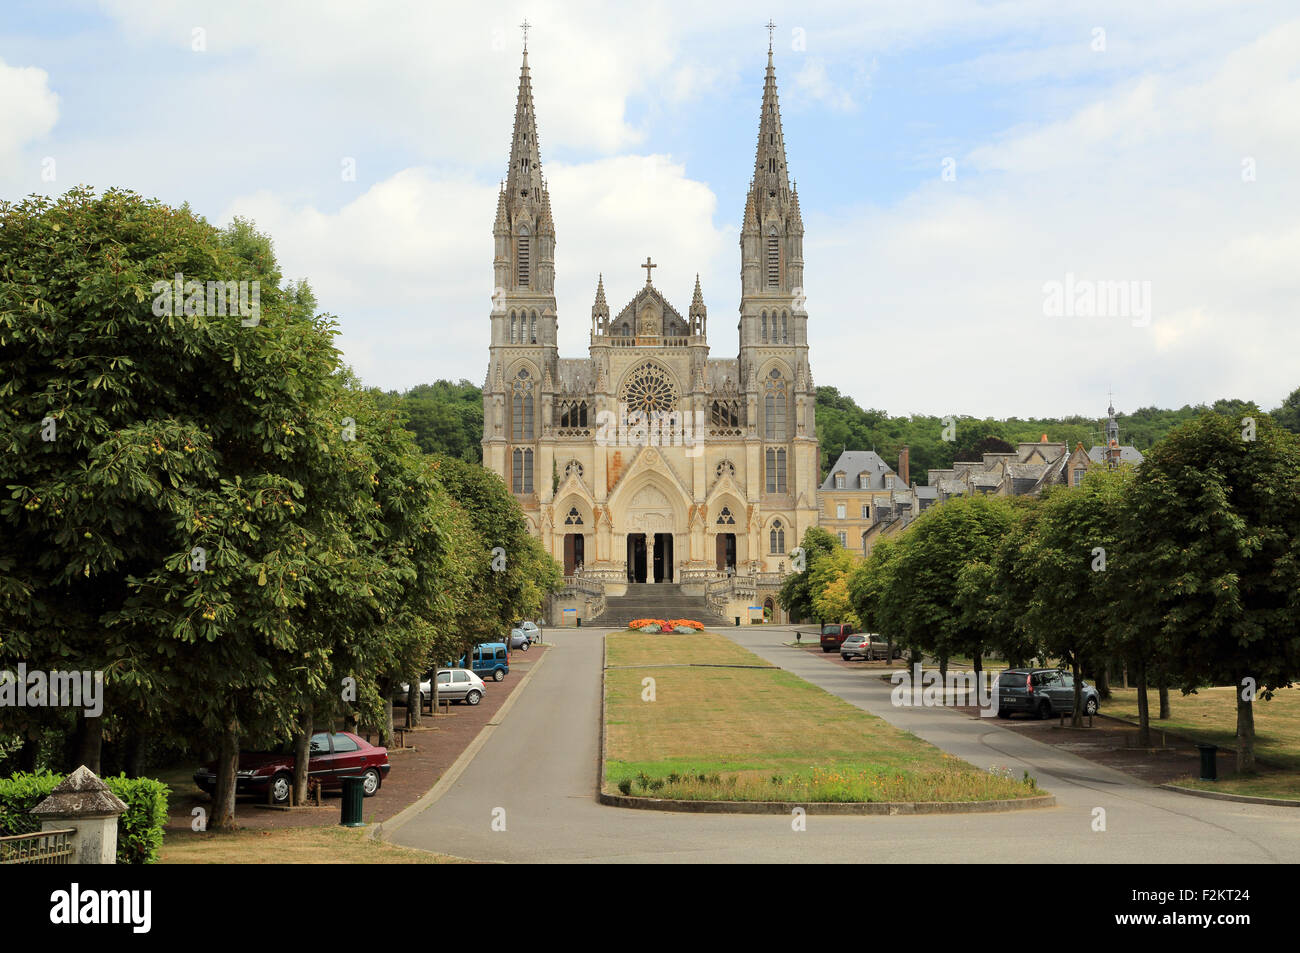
(354, 794)
(1209, 762)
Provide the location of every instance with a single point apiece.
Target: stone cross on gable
(647, 266)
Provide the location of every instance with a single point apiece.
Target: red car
(333, 756)
(834, 634)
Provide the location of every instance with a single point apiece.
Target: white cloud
(412, 281)
(28, 106)
(1144, 184)
(814, 83)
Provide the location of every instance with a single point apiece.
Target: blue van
(489, 659)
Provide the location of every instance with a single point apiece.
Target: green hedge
(139, 830)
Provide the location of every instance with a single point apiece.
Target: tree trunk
(1103, 680)
(1245, 733)
(386, 726)
(1164, 701)
(29, 754)
(302, 755)
(979, 675)
(90, 742)
(413, 702)
(943, 669)
(1076, 719)
(1144, 709)
(135, 755)
(223, 798)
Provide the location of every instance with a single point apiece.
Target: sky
(1011, 208)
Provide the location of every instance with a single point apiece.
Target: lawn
(1210, 716)
(761, 734)
(297, 845)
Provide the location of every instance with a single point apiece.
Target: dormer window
(839, 481)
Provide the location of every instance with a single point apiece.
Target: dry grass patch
(761, 734)
(295, 845)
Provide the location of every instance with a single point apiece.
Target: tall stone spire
(698, 313)
(525, 177)
(771, 179)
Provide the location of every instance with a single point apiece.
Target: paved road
(541, 769)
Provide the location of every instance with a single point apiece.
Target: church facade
(648, 460)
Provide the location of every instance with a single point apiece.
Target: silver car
(866, 646)
(521, 638)
(459, 684)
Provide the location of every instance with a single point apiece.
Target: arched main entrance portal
(650, 524)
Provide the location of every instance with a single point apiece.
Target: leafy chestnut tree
(1212, 542)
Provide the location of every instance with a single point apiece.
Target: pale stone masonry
(734, 492)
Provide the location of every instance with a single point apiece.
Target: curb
(829, 807)
(384, 830)
(1239, 798)
(860, 808)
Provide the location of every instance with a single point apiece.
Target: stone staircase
(656, 601)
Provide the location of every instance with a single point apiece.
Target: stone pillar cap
(81, 793)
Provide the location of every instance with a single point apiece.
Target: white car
(454, 684)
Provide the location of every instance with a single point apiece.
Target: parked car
(1042, 692)
(532, 628)
(489, 658)
(331, 757)
(867, 647)
(426, 689)
(833, 634)
(458, 684)
(520, 639)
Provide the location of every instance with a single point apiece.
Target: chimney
(904, 461)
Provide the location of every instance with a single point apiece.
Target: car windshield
(1012, 680)
(830, 630)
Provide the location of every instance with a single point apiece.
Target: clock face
(650, 389)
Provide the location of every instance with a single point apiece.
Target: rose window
(650, 389)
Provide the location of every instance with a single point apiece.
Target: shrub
(139, 830)
(625, 786)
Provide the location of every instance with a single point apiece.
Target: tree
(1213, 567)
(1065, 563)
(1288, 415)
(926, 574)
(828, 585)
(867, 586)
(796, 594)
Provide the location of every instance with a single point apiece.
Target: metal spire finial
(525, 26)
(770, 27)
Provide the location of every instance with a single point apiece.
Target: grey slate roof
(853, 462)
(1127, 454)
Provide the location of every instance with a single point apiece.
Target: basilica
(648, 460)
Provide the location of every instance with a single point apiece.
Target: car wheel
(824, 649)
(1044, 711)
(370, 782)
(281, 788)
(1090, 706)
(1003, 713)
(498, 675)
(524, 647)
(474, 697)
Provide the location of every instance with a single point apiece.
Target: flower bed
(665, 625)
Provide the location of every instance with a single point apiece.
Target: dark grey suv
(1042, 692)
